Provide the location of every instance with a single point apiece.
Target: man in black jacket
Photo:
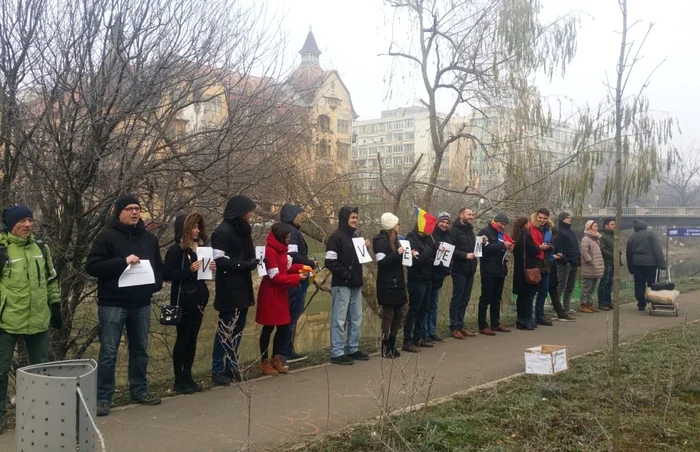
(463, 269)
(234, 286)
(125, 242)
(645, 257)
(346, 289)
(494, 269)
(299, 252)
(567, 266)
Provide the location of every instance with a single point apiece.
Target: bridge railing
(644, 211)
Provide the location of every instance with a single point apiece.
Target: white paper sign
(444, 254)
(260, 255)
(361, 250)
(137, 275)
(479, 245)
(407, 259)
(205, 254)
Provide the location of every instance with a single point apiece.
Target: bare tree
(683, 179)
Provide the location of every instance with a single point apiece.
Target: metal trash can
(56, 405)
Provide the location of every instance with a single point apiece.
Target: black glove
(56, 320)
(251, 264)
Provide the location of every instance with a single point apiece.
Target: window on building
(372, 151)
(363, 163)
(409, 135)
(398, 125)
(408, 147)
(398, 137)
(408, 123)
(363, 152)
(397, 149)
(343, 126)
(408, 159)
(343, 151)
(324, 122)
(354, 151)
(323, 149)
(397, 160)
(387, 137)
(381, 127)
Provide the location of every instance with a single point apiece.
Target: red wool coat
(273, 301)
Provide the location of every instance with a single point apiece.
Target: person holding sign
(391, 286)
(494, 268)
(463, 270)
(124, 242)
(234, 286)
(441, 234)
(189, 293)
(343, 259)
(420, 275)
(273, 299)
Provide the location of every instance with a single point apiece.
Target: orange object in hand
(306, 269)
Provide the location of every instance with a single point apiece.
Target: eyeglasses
(132, 209)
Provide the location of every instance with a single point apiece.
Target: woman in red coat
(273, 301)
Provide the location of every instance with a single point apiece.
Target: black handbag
(658, 285)
(171, 315)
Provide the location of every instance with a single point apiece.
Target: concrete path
(309, 402)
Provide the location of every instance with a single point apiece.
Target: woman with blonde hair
(593, 266)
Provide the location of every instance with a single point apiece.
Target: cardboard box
(546, 360)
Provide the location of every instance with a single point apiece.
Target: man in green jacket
(29, 294)
(607, 248)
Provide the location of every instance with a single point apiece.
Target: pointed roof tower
(310, 51)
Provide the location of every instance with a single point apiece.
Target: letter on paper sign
(407, 259)
(139, 274)
(260, 254)
(361, 250)
(206, 255)
(444, 254)
(478, 246)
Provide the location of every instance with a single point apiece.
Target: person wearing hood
(31, 298)
(273, 297)
(441, 234)
(607, 247)
(494, 269)
(234, 286)
(346, 289)
(593, 266)
(462, 269)
(567, 246)
(293, 216)
(124, 242)
(420, 277)
(189, 293)
(391, 286)
(645, 257)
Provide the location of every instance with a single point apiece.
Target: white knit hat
(389, 220)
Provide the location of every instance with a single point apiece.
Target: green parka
(26, 290)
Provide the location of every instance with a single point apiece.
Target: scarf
(538, 238)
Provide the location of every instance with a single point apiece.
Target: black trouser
(392, 315)
(554, 292)
(644, 276)
(278, 342)
(491, 293)
(186, 342)
(419, 294)
(461, 292)
(524, 307)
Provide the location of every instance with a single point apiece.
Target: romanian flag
(426, 222)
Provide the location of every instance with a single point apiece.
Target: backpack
(5, 257)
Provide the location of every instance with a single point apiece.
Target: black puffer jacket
(493, 262)
(422, 269)
(391, 286)
(297, 249)
(524, 256)
(107, 261)
(440, 272)
(341, 259)
(566, 243)
(234, 282)
(463, 239)
(644, 248)
(186, 291)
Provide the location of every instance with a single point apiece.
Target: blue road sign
(683, 232)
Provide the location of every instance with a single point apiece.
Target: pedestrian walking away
(645, 258)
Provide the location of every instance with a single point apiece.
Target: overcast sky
(352, 33)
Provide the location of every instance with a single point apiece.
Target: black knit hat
(563, 216)
(125, 201)
(13, 215)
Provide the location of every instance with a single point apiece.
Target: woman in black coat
(524, 256)
(391, 286)
(181, 267)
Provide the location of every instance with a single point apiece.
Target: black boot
(387, 351)
(193, 384)
(395, 351)
(181, 386)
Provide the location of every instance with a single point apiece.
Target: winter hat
(589, 225)
(501, 218)
(13, 215)
(444, 216)
(389, 221)
(125, 201)
(563, 216)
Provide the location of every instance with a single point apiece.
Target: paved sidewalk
(295, 406)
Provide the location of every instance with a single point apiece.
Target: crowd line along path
(295, 407)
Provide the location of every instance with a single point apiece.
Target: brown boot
(466, 333)
(585, 308)
(267, 369)
(276, 362)
(456, 334)
(410, 347)
(592, 308)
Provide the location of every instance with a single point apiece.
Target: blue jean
(542, 292)
(605, 287)
(297, 300)
(461, 292)
(112, 320)
(347, 307)
(430, 321)
(224, 354)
